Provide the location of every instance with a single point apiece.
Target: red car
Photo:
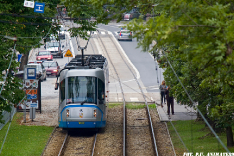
(44, 55)
(52, 67)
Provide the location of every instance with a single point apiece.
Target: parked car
(40, 70)
(134, 13)
(44, 55)
(55, 49)
(52, 68)
(61, 32)
(125, 35)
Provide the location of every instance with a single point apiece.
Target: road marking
(123, 81)
(134, 99)
(103, 33)
(118, 99)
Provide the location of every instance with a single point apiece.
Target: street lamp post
(153, 10)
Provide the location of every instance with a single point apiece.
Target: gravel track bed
(139, 142)
(110, 142)
(55, 143)
(79, 144)
(163, 141)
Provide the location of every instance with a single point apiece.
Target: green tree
(198, 38)
(17, 20)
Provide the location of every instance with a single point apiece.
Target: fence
(7, 116)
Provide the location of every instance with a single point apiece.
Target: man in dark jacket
(170, 101)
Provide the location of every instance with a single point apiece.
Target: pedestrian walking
(162, 88)
(170, 101)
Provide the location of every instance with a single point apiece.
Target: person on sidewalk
(162, 88)
(170, 101)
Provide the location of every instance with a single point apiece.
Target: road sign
(33, 105)
(31, 96)
(31, 91)
(39, 7)
(29, 4)
(19, 57)
(68, 54)
(30, 71)
(30, 84)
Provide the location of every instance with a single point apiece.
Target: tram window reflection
(81, 89)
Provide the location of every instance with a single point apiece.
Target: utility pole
(82, 55)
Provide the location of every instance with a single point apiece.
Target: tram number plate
(81, 122)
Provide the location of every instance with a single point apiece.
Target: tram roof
(90, 62)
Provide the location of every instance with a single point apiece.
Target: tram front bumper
(82, 124)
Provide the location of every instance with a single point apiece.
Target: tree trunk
(229, 134)
(24, 61)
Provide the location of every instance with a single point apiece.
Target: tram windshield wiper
(83, 102)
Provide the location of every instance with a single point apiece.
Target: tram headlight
(95, 113)
(67, 113)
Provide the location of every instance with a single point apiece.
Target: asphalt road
(143, 61)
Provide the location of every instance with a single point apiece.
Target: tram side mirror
(56, 86)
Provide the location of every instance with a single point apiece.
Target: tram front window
(82, 88)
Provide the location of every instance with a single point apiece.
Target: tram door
(101, 97)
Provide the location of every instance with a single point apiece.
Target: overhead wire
(41, 17)
(25, 23)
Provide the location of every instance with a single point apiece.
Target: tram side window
(101, 91)
(62, 90)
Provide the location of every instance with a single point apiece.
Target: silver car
(40, 70)
(125, 35)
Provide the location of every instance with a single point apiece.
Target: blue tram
(83, 92)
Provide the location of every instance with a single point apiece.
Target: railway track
(128, 131)
(78, 144)
(116, 55)
(73, 143)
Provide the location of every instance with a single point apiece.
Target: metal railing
(7, 116)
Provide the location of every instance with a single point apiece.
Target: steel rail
(94, 143)
(63, 145)
(148, 112)
(124, 111)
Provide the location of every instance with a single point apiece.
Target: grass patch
(24, 140)
(111, 105)
(135, 105)
(196, 136)
(152, 106)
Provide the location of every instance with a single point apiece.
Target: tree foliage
(103, 11)
(197, 39)
(17, 20)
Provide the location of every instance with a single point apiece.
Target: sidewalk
(181, 112)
